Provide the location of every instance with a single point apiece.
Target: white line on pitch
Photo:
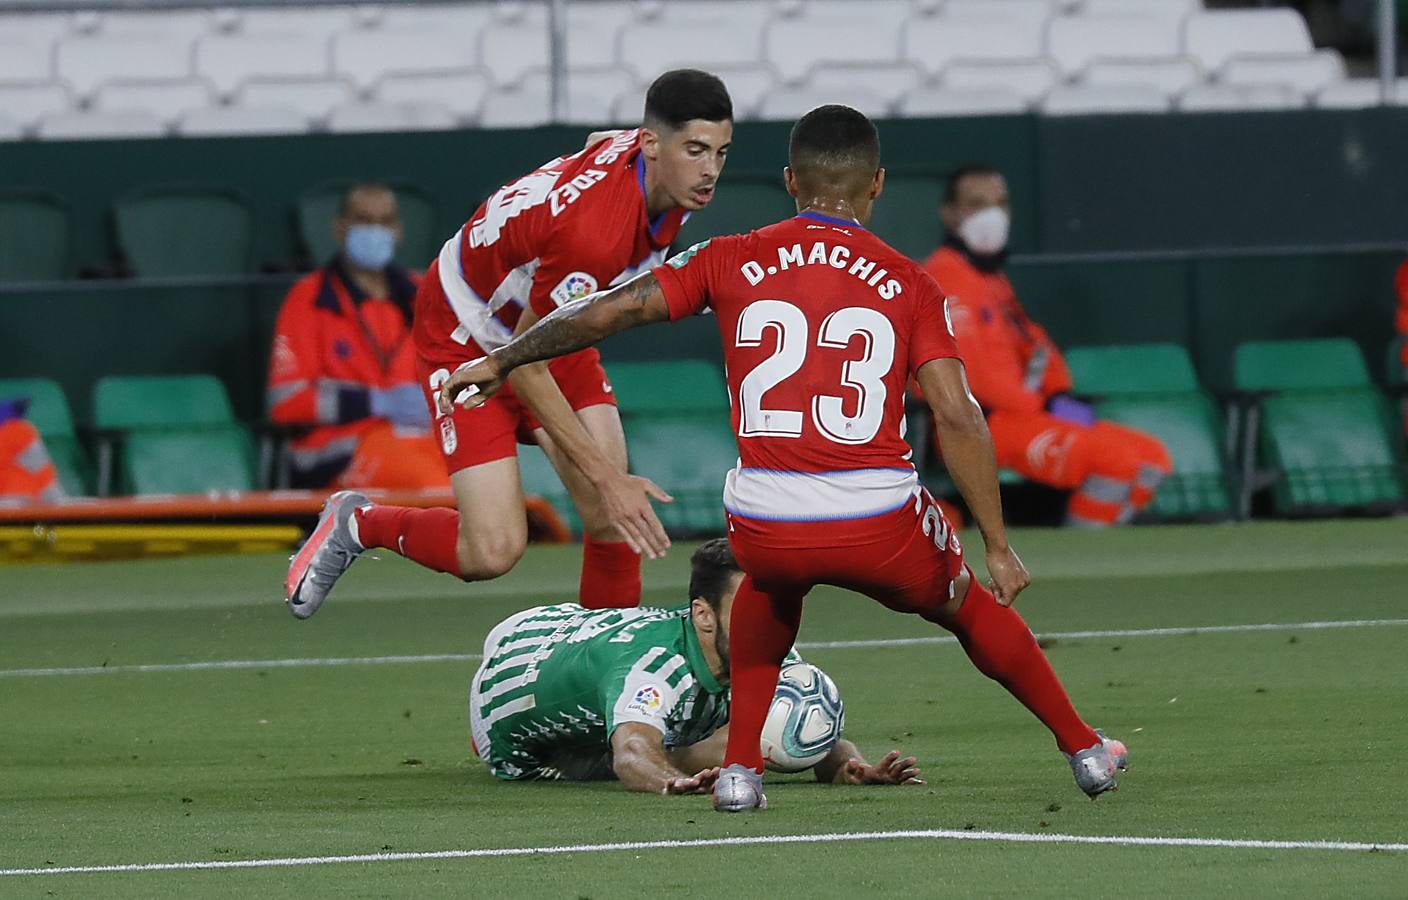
(942, 834)
(316, 661)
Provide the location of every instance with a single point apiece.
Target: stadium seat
(228, 121)
(747, 85)
(592, 29)
(461, 21)
(888, 81)
(796, 46)
(50, 415)
(179, 28)
(312, 97)
(788, 103)
(1215, 37)
(28, 102)
(1168, 9)
(524, 106)
(1358, 93)
(229, 60)
(1029, 80)
(365, 57)
(316, 21)
(1152, 387)
(1090, 100)
(70, 126)
(178, 436)
(1170, 77)
(653, 46)
(461, 91)
(906, 217)
(741, 204)
(165, 99)
(939, 102)
(937, 42)
(84, 62)
(420, 235)
(22, 59)
(1318, 425)
(509, 51)
(34, 237)
(184, 232)
(10, 130)
(39, 30)
(354, 117)
(1307, 73)
(1239, 98)
(1076, 41)
(592, 93)
(1017, 12)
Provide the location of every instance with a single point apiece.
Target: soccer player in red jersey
(581, 222)
(822, 325)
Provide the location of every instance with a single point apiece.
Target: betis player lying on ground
(635, 694)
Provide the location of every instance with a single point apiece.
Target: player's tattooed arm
(641, 762)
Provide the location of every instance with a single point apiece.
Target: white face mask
(985, 231)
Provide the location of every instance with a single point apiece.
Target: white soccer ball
(804, 721)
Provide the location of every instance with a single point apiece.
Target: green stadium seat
(319, 205)
(34, 237)
(49, 413)
(740, 205)
(183, 232)
(907, 216)
(1320, 430)
(1152, 387)
(178, 435)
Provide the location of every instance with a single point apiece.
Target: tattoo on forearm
(583, 322)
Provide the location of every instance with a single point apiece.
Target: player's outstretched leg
(329, 551)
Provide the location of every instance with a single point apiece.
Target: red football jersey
(822, 324)
(573, 226)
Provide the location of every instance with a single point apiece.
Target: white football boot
(739, 789)
(1095, 766)
(329, 551)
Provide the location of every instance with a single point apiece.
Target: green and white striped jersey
(557, 680)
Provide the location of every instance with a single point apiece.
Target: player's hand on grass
(626, 499)
(701, 783)
(481, 378)
(1006, 575)
(893, 769)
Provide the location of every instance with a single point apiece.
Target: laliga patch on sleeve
(574, 287)
(647, 700)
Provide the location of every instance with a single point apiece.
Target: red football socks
(427, 536)
(610, 575)
(762, 630)
(1003, 648)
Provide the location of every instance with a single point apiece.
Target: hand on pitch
(1006, 575)
(481, 378)
(890, 770)
(626, 499)
(701, 783)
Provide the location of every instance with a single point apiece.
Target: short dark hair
(710, 569)
(681, 95)
(834, 143)
(964, 171)
(359, 187)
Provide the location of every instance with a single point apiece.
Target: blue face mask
(370, 246)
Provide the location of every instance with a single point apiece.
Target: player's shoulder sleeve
(690, 278)
(645, 687)
(932, 336)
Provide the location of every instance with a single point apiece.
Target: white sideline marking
(942, 834)
(316, 661)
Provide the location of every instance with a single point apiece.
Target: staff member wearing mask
(344, 365)
(1018, 375)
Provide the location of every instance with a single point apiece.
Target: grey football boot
(1095, 766)
(329, 551)
(739, 789)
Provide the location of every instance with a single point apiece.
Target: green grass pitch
(1282, 735)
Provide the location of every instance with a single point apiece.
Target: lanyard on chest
(384, 355)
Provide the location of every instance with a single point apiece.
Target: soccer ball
(804, 721)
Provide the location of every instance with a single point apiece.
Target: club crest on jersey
(574, 287)
(449, 438)
(646, 700)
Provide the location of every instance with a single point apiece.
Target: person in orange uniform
(27, 474)
(344, 365)
(1018, 375)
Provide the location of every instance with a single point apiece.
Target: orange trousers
(1112, 471)
(396, 461)
(26, 473)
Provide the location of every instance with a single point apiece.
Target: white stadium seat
(592, 29)
(87, 61)
(180, 26)
(1357, 93)
(317, 21)
(390, 117)
(511, 50)
(1239, 98)
(166, 100)
(99, 125)
(10, 130)
(461, 91)
(1307, 73)
(1014, 11)
(1073, 42)
(1167, 9)
(886, 80)
(229, 60)
(26, 103)
(936, 42)
(1171, 77)
(788, 103)
(592, 95)
(747, 85)
(961, 102)
(311, 97)
(25, 59)
(365, 56)
(225, 121)
(41, 30)
(1028, 80)
(1215, 37)
(654, 46)
(1083, 100)
(628, 108)
(525, 105)
(461, 21)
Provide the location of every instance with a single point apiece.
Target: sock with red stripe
(1003, 648)
(762, 629)
(610, 575)
(427, 536)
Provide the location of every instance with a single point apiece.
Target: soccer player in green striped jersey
(635, 694)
